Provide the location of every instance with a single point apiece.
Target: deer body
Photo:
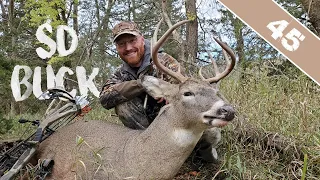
(155, 153)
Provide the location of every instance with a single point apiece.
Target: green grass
(285, 111)
(12, 129)
(99, 113)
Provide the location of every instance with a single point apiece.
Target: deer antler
(230, 65)
(157, 44)
(214, 65)
(177, 75)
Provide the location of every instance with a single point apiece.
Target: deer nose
(227, 112)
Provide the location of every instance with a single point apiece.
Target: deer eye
(188, 94)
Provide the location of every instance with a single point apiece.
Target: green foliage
(305, 165)
(6, 68)
(191, 16)
(42, 10)
(16, 130)
(56, 59)
(5, 124)
(294, 7)
(81, 158)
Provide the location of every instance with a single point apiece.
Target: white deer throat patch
(183, 137)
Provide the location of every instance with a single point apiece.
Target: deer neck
(166, 141)
(173, 127)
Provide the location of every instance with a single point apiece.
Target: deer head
(191, 92)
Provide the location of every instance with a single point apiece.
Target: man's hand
(160, 100)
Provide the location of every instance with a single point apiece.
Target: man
(135, 108)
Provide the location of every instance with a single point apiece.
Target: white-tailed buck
(158, 152)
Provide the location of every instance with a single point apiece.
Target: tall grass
(283, 109)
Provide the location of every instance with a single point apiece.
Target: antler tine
(155, 34)
(229, 67)
(157, 45)
(200, 74)
(214, 64)
(226, 56)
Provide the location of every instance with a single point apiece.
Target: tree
(191, 38)
(312, 7)
(11, 26)
(306, 11)
(103, 28)
(75, 17)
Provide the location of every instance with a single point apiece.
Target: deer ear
(155, 87)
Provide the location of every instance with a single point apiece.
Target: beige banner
(282, 31)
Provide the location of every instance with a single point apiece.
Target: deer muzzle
(219, 115)
(226, 112)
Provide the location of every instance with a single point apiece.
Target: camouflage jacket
(122, 86)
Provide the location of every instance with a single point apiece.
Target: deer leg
(206, 147)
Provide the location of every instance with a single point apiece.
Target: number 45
(294, 35)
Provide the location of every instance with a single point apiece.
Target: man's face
(131, 49)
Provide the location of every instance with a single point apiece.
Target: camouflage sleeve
(115, 91)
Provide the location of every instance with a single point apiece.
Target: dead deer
(117, 152)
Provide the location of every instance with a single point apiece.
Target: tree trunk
(3, 13)
(11, 12)
(133, 7)
(12, 28)
(312, 7)
(175, 33)
(97, 12)
(238, 27)
(191, 37)
(75, 17)
(104, 27)
(12, 109)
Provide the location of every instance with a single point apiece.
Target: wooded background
(93, 21)
(259, 67)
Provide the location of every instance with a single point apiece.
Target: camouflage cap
(125, 27)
